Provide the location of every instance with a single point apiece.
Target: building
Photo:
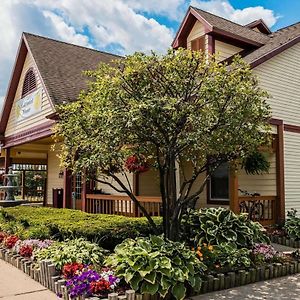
(56, 67)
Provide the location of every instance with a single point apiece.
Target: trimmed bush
(292, 224)
(61, 224)
(216, 226)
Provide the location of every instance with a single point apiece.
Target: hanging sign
(29, 105)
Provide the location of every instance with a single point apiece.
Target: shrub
(216, 226)
(77, 250)
(154, 265)
(61, 224)
(292, 224)
(223, 257)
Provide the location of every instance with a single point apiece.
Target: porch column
(233, 189)
(7, 160)
(67, 193)
(280, 189)
(135, 189)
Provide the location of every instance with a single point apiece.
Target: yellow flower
(210, 247)
(199, 253)
(199, 248)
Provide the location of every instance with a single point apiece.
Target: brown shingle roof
(231, 27)
(277, 40)
(61, 65)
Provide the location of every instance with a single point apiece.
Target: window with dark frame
(219, 185)
(29, 83)
(198, 44)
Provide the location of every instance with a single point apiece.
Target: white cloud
(122, 26)
(242, 16)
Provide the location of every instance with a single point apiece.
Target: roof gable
(215, 25)
(60, 66)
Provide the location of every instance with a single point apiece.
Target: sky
(121, 26)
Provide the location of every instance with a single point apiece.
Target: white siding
(13, 126)
(196, 32)
(280, 76)
(292, 170)
(53, 180)
(107, 189)
(224, 50)
(264, 184)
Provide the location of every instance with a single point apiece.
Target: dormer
(259, 26)
(204, 31)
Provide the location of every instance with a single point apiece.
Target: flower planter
(242, 277)
(45, 273)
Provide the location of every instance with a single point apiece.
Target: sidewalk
(15, 285)
(284, 288)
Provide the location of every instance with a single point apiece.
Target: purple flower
(267, 252)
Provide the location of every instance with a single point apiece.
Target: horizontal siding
(264, 184)
(224, 50)
(196, 32)
(280, 76)
(14, 127)
(292, 170)
(109, 190)
(53, 180)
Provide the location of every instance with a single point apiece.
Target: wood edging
(45, 273)
(285, 241)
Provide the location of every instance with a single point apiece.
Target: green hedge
(42, 222)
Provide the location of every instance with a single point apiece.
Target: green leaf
(134, 282)
(179, 291)
(149, 288)
(151, 277)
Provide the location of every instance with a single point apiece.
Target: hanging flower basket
(136, 164)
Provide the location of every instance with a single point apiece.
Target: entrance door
(76, 191)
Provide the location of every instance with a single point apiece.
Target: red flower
(135, 163)
(2, 236)
(10, 241)
(26, 251)
(100, 287)
(70, 270)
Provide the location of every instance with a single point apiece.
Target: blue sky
(121, 26)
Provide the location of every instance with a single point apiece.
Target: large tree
(182, 107)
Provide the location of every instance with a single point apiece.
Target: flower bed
(221, 250)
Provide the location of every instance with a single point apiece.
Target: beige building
(48, 72)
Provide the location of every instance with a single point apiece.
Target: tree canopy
(168, 110)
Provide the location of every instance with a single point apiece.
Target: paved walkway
(284, 288)
(15, 285)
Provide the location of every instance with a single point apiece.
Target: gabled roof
(279, 41)
(60, 66)
(216, 25)
(260, 25)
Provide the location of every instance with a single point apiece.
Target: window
(218, 189)
(198, 44)
(29, 83)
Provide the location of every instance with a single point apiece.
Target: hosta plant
(77, 250)
(292, 224)
(216, 226)
(154, 265)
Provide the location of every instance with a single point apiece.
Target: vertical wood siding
(13, 126)
(224, 50)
